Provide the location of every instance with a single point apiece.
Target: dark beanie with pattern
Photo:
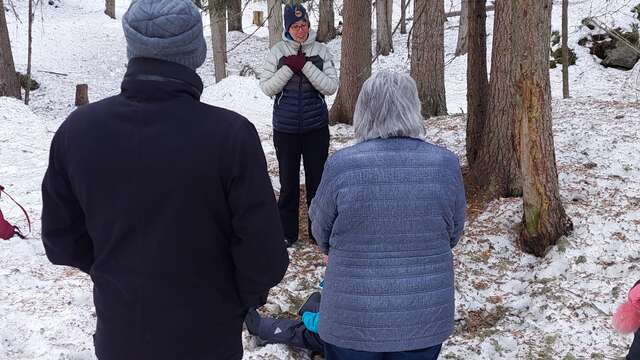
(169, 30)
(293, 14)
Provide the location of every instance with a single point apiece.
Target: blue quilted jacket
(388, 212)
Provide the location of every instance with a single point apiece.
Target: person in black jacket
(164, 201)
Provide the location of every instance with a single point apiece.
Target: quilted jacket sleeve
(326, 80)
(272, 79)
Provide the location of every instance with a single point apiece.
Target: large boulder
(619, 51)
(621, 57)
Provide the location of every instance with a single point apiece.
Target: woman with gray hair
(387, 213)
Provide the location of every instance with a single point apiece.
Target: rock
(247, 70)
(600, 48)
(587, 22)
(23, 82)
(622, 57)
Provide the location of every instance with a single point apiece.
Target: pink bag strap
(20, 206)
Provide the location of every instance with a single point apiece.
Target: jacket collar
(159, 79)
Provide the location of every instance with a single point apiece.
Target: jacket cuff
(286, 70)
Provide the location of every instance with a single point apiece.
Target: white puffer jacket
(273, 80)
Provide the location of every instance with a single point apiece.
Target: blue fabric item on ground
(388, 212)
(336, 353)
(311, 320)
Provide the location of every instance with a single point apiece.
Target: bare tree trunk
(9, 83)
(427, 58)
(218, 21)
(234, 15)
(326, 23)
(565, 49)
(403, 16)
(27, 90)
(110, 8)
(497, 166)
(275, 21)
(544, 219)
(463, 30)
(477, 82)
(384, 43)
(355, 66)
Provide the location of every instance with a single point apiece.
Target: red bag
(7, 231)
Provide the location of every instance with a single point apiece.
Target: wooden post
(82, 94)
(258, 18)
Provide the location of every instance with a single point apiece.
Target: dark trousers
(634, 351)
(313, 148)
(332, 352)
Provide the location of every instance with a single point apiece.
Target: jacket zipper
(299, 104)
(280, 97)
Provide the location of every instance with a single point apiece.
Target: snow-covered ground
(509, 305)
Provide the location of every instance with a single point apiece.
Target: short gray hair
(388, 106)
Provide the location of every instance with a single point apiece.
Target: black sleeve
(258, 249)
(64, 233)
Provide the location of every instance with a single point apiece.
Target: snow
(509, 305)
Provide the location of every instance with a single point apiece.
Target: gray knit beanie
(168, 30)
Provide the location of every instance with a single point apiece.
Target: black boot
(312, 303)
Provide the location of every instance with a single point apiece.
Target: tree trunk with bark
(463, 30)
(497, 166)
(544, 219)
(427, 56)
(403, 16)
(9, 83)
(110, 8)
(355, 65)
(477, 82)
(234, 15)
(218, 22)
(326, 23)
(27, 89)
(274, 15)
(565, 49)
(384, 43)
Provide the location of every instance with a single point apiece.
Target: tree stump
(82, 94)
(258, 18)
